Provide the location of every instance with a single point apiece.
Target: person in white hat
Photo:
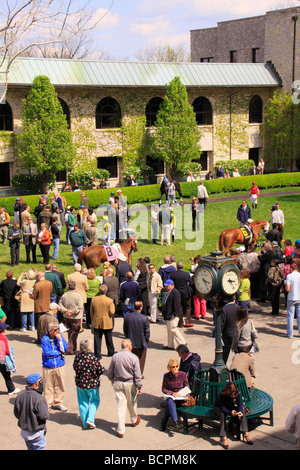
(122, 268)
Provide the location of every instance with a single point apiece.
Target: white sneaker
(16, 390)
(23, 330)
(60, 407)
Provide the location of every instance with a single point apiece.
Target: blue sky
(134, 24)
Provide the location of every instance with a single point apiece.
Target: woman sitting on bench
(229, 403)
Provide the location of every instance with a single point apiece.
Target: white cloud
(228, 8)
(106, 19)
(153, 28)
(152, 8)
(171, 40)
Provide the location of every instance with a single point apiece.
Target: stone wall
(272, 34)
(230, 135)
(236, 35)
(279, 37)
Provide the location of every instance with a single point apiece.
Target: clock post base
(219, 373)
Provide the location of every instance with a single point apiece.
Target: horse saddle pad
(111, 253)
(247, 234)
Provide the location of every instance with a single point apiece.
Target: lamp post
(217, 278)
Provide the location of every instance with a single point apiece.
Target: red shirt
(4, 349)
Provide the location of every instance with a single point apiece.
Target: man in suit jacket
(183, 283)
(130, 292)
(170, 309)
(41, 293)
(228, 319)
(122, 268)
(30, 232)
(112, 284)
(102, 321)
(136, 327)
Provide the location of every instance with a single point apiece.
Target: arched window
(256, 110)
(152, 109)
(108, 114)
(203, 111)
(6, 118)
(66, 111)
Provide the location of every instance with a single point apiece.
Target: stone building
(273, 37)
(98, 96)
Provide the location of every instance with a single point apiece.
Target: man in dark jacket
(170, 309)
(31, 410)
(136, 328)
(112, 284)
(8, 291)
(265, 257)
(165, 272)
(122, 268)
(243, 213)
(189, 362)
(228, 326)
(184, 284)
(130, 292)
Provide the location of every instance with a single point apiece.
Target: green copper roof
(91, 73)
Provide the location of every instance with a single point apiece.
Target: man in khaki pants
(54, 347)
(154, 285)
(125, 375)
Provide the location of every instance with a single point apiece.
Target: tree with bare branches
(163, 53)
(26, 25)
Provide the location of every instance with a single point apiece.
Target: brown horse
(94, 255)
(231, 236)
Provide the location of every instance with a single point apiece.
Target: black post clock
(217, 278)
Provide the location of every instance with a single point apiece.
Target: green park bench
(206, 391)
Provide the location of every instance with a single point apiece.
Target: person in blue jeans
(88, 370)
(55, 237)
(292, 286)
(173, 382)
(31, 410)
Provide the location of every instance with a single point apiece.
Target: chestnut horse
(231, 236)
(94, 255)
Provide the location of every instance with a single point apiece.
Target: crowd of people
(52, 303)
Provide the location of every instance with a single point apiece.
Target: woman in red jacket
(44, 239)
(4, 351)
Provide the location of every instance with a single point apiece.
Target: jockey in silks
(106, 234)
(254, 193)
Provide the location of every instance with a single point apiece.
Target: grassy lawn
(218, 217)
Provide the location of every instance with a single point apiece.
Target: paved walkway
(277, 367)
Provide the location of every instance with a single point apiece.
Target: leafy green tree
(45, 143)
(281, 131)
(177, 137)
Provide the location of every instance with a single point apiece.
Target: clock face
(230, 281)
(203, 281)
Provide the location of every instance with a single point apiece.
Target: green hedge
(242, 183)
(149, 193)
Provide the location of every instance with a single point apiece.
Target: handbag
(190, 401)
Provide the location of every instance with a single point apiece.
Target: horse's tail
(221, 241)
(82, 256)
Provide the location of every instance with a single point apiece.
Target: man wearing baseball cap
(171, 310)
(31, 410)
